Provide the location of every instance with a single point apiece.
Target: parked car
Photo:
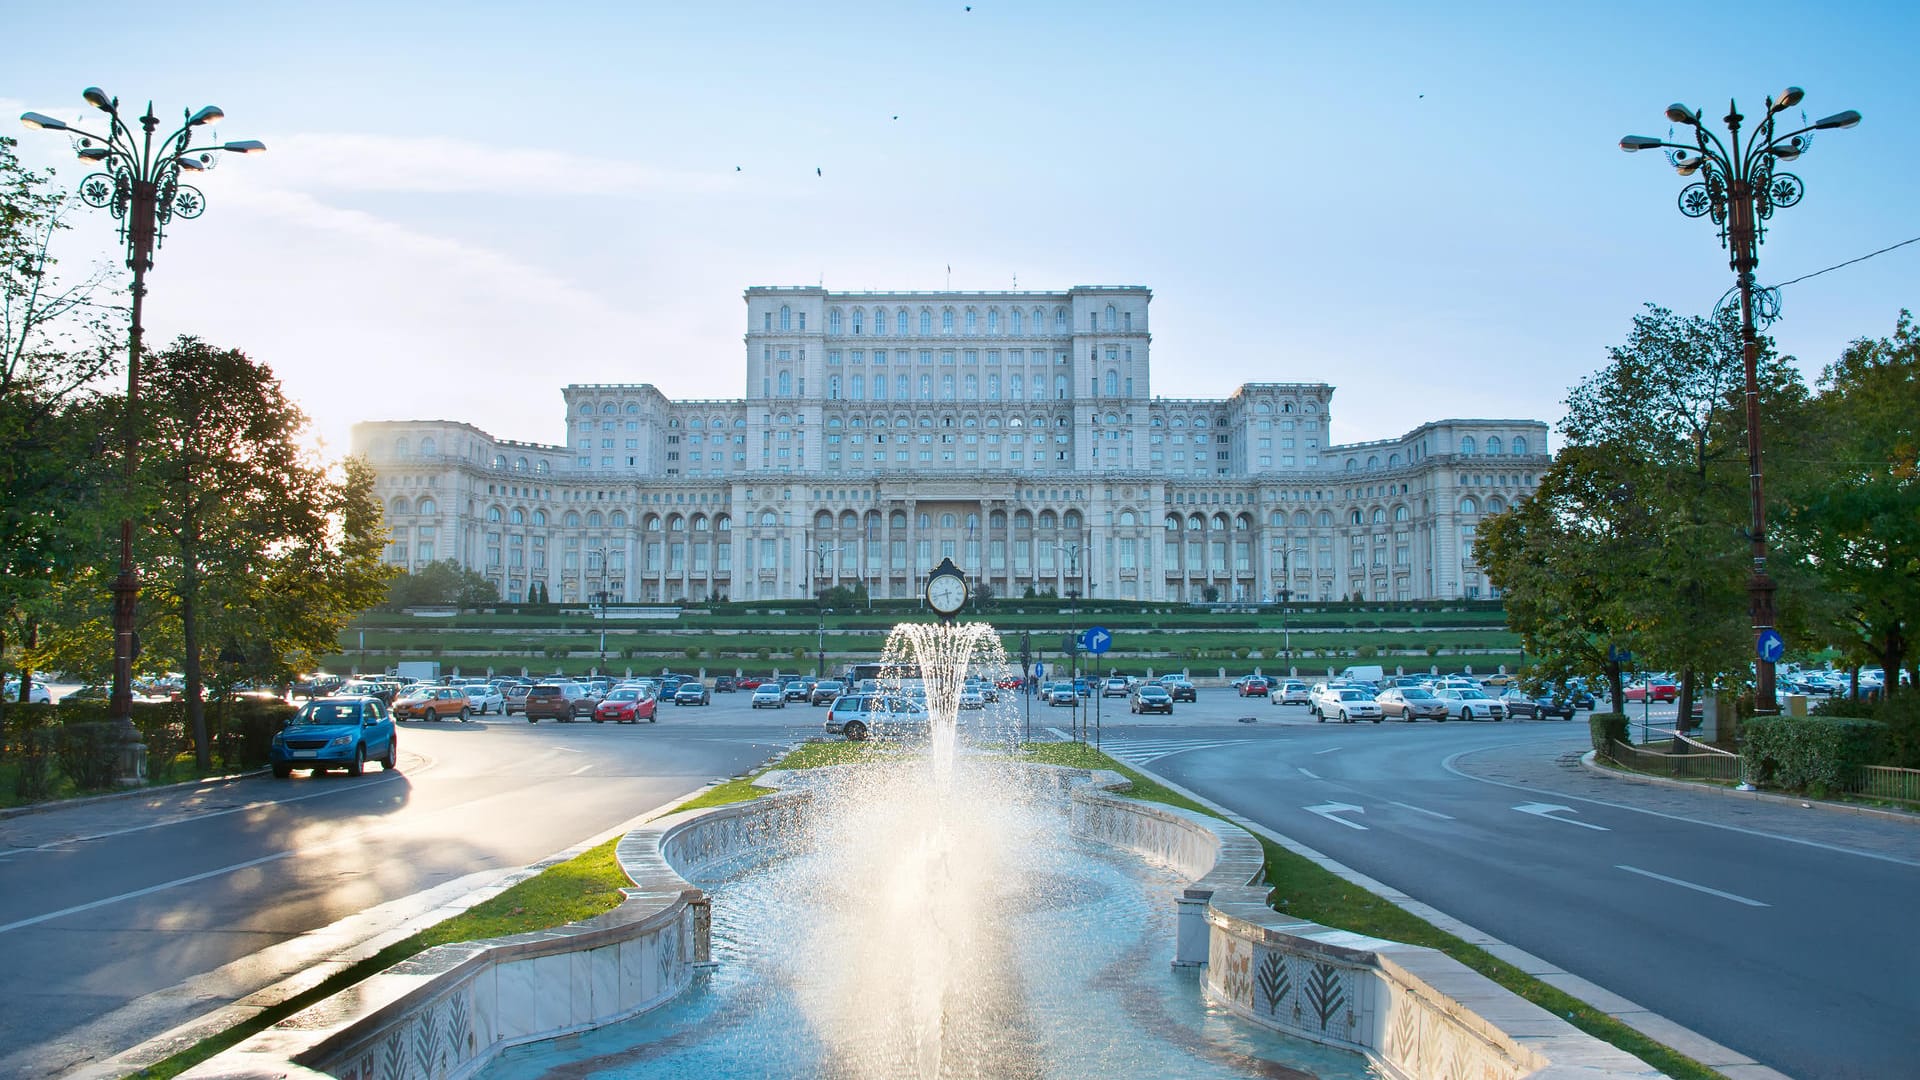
(1179, 688)
(724, 684)
(861, 715)
(799, 689)
(626, 705)
(1290, 692)
(485, 698)
(825, 691)
(1548, 703)
(1116, 686)
(1663, 690)
(1410, 703)
(1253, 686)
(1150, 698)
(89, 692)
(316, 685)
(1518, 703)
(383, 690)
(562, 701)
(36, 692)
(513, 697)
(1083, 686)
(427, 702)
(693, 692)
(1469, 705)
(336, 733)
(1346, 704)
(971, 698)
(1062, 693)
(769, 696)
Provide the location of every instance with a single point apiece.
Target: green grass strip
(1306, 890)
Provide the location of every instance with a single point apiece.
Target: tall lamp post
(820, 645)
(1285, 593)
(139, 183)
(1739, 189)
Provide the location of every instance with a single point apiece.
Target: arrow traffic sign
(1329, 810)
(1096, 640)
(1771, 646)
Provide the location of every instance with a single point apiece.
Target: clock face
(946, 594)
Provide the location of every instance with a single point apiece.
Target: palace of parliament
(1018, 433)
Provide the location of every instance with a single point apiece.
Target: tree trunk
(195, 690)
(1684, 707)
(1893, 655)
(1616, 692)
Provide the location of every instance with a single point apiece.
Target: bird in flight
(816, 170)
(736, 168)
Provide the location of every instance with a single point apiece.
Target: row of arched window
(1519, 445)
(970, 320)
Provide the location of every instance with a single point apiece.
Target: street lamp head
(95, 154)
(1634, 143)
(192, 164)
(207, 115)
(245, 146)
(1838, 120)
(1687, 166)
(1680, 114)
(1788, 98)
(98, 98)
(41, 122)
(1789, 150)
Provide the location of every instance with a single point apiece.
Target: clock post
(946, 590)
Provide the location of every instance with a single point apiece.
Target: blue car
(336, 733)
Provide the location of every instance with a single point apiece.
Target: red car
(748, 683)
(626, 707)
(1663, 691)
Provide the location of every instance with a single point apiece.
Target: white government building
(1017, 433)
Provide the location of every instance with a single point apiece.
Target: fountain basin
(448, 1012)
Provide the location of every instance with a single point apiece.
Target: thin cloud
(439, 165)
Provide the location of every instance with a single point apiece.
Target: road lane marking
(581, 769)
(205, 815)
(1550, 811)
(1447, 763)
(1735, 897)
(1429, 813)
(1146, 751)
(1328, 750)
(1331, 810)
(1308, 773)
(566, 749)
(148, 891)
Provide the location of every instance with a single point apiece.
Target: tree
(253, 556)
(56, 338)
(1853, 512)
(443, 584)
(1638, 540)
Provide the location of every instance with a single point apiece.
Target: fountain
(926, 916)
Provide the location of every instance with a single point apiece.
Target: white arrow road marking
(1547, 810)
(1690, 885)
(1308, 773)
(1328, 810)
(1429, 813)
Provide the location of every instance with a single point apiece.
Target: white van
(1368, 673)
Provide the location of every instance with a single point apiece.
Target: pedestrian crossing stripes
(1146, 751)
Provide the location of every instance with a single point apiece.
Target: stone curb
(1904, 817)
(129, 793)
(1728, 1062)
(224, 1018)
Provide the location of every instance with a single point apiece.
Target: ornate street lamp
(1739, 187)
(139, 183)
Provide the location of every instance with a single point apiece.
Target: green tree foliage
(1852, 509)
(442, 584)
(55, 339)
(252, 555)
(1636, 538)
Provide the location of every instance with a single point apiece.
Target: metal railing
(1661, 763)
(1887, 782)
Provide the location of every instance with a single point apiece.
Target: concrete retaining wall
(1416, 1012)
(451, 1009)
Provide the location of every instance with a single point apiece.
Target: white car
(769, 696)
(971, 698)
(1347, 704)
(1291, 692)
(485, 698)
(36, 692)
(1469, 705)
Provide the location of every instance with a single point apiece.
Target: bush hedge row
(1814, 754)
(72, 743)
(1607, 728)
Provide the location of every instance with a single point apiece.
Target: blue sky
(466, 206)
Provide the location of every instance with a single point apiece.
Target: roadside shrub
(1900, 713)
(693, 652)
(1366, 652)
(87, 753)
(1433, 650)
(1815, 754)
(163, 727)
(1606, 729)
(28, 737)
(556, 650)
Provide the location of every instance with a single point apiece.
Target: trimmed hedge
(1815, 754)
(1607, 728)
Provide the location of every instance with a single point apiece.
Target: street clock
(946, 589)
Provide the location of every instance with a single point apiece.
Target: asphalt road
(105, 907)
(1785, 933)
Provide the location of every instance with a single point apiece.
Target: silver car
(1348, 704)
(1469, 705)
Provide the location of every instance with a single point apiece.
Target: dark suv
(561, 701)
(723, 684)
(825, 691)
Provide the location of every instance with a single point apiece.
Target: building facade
(1017, 433)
